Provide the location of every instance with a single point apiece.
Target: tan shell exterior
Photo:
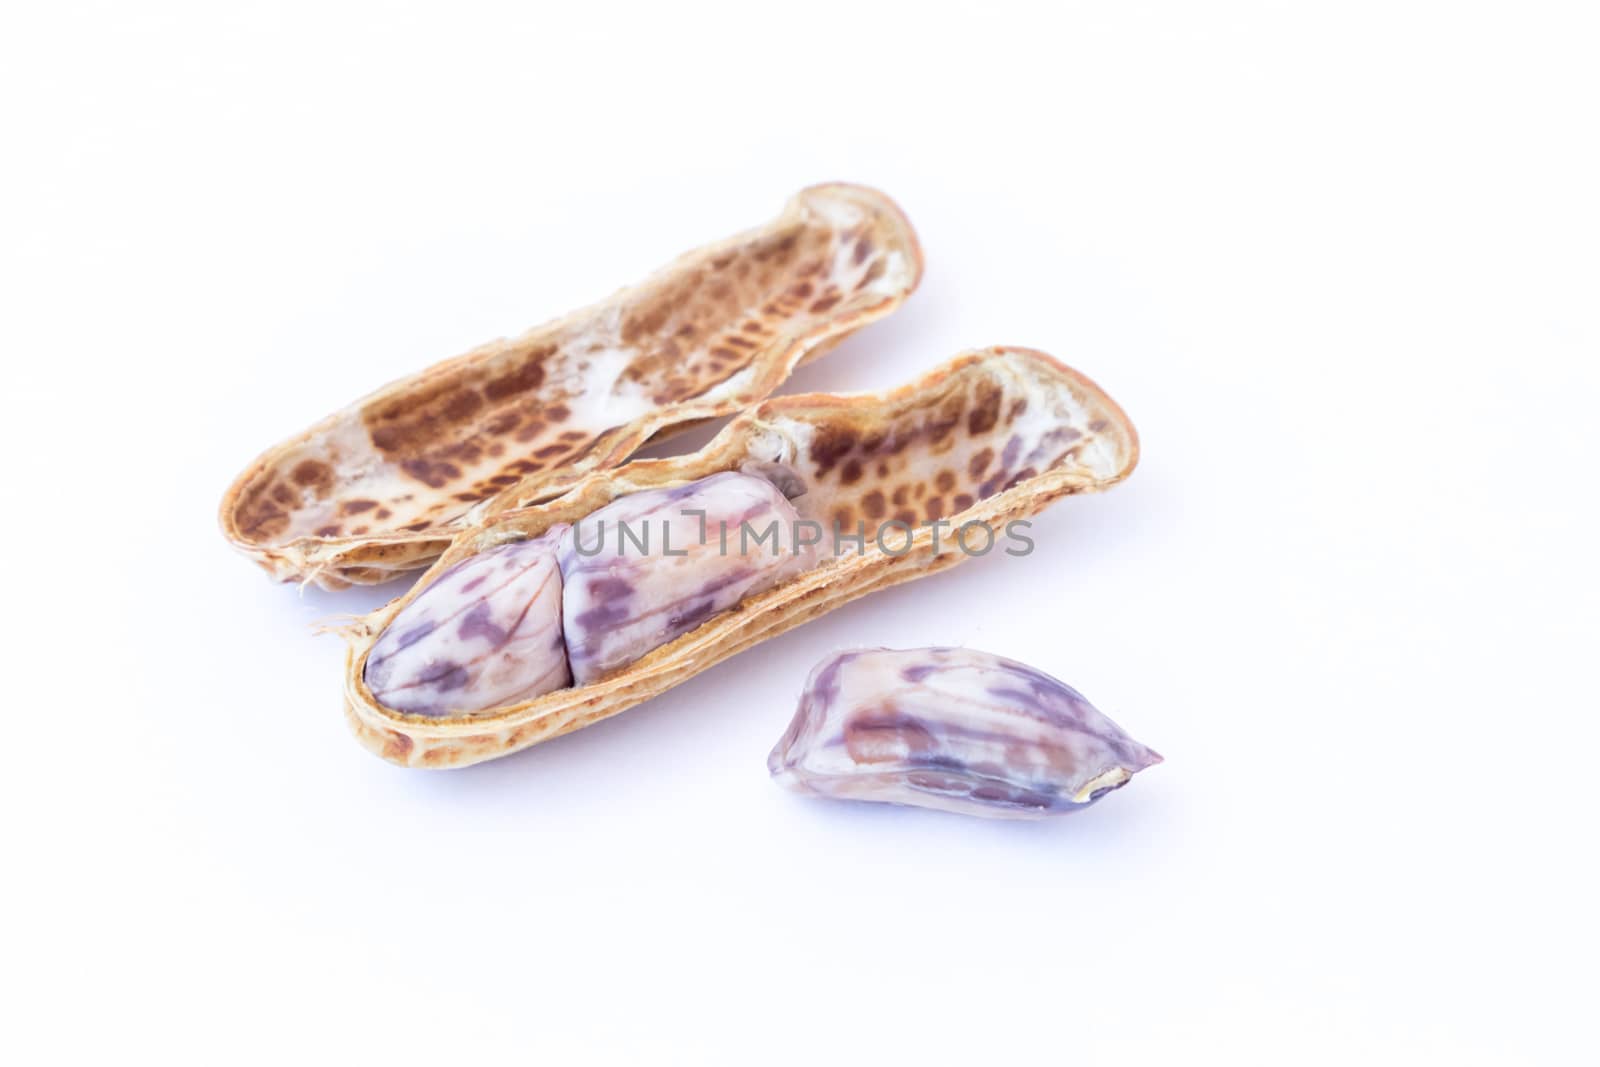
(933, 449)
(385, 485)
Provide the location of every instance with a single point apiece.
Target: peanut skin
(654, 565)
(952, 729)
(485, 634)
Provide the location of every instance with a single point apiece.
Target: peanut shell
(383, 486)
(991, 436)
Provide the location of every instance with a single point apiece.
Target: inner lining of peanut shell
(542, 402)
(935, 456)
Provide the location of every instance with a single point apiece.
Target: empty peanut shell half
(952, 729)
(991, 437)
(383, 486)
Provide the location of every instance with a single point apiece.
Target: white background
(1339, 262)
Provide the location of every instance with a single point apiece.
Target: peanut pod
(385, 485)
(993, 435)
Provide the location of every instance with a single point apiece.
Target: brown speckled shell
(991, 436)
(385, 485)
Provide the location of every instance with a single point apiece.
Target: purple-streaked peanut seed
(485, 634)
(654, 565)
(952, 729)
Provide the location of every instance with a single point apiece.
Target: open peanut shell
(383, 486)
(993, 435)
